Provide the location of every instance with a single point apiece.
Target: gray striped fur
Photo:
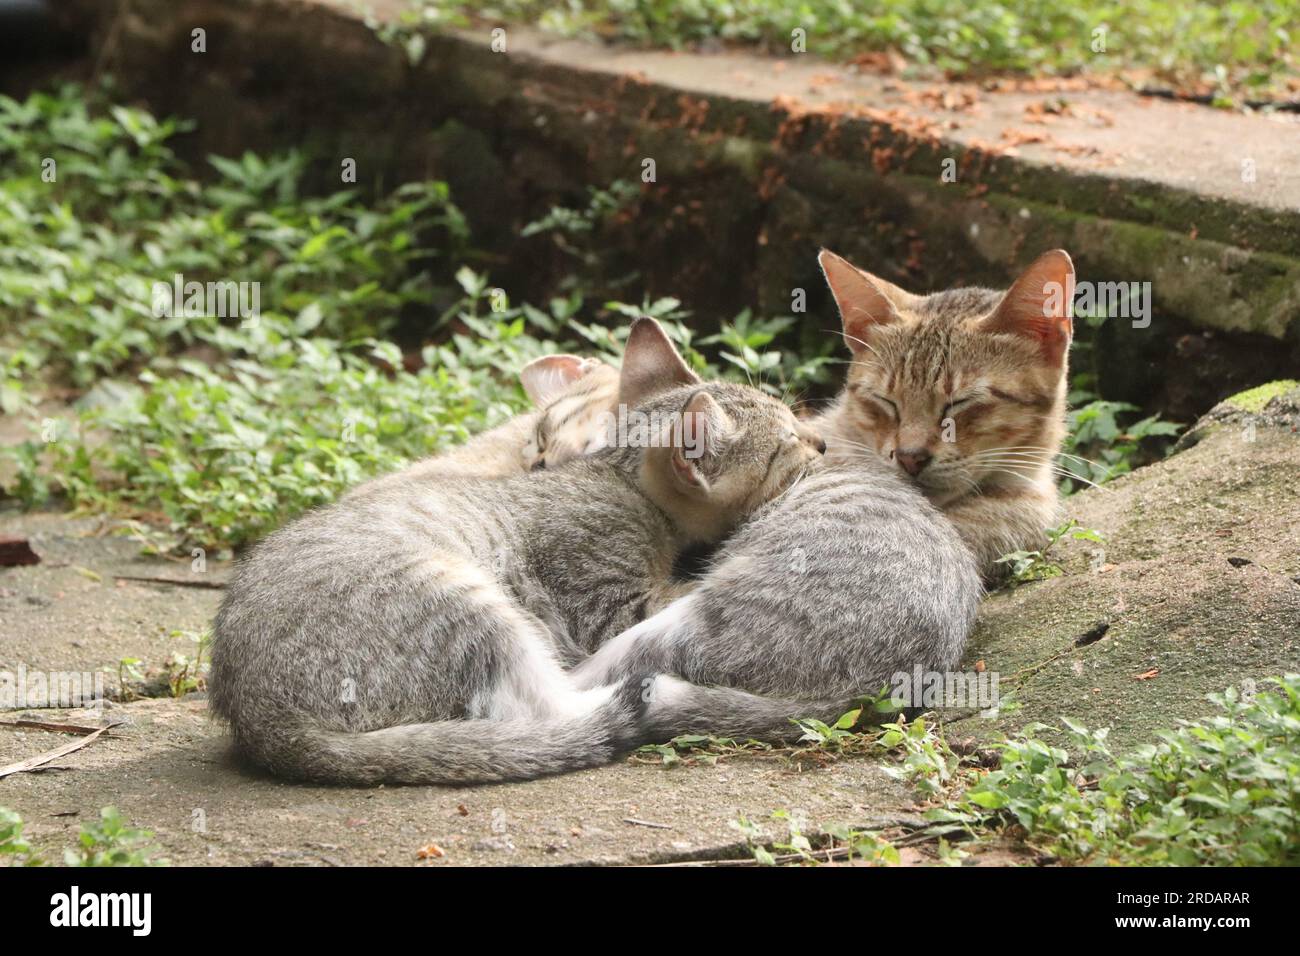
(416, 631)
(824, 595)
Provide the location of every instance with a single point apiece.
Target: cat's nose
(812, 440)
(913, 460)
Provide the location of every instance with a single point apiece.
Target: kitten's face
(960, 390)
(752, 448)
(572, 420)
(714, 452)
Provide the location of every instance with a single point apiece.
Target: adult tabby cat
(416, 630)
(855, 576)
(964, 391)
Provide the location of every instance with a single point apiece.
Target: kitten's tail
(455, 751)
(678, 707)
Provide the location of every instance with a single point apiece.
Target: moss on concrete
(1254, 400)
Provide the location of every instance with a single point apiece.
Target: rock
(1205, 552)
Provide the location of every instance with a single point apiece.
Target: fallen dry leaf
(430, 852)
(1148, 675)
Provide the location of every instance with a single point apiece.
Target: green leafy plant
(13, 848)
(1232, 47)
(692, 749)
(839, 842)
(108, 841)
(221, 428)
(1026, 566)
(186, 674)
(1224, 790)
(745, 339)
(111, 842)
(130, 672)
(1098, 447)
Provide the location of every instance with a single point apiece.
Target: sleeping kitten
(570, 394)
(964, 392)
(416, 631)
(823, 596)
(854, 576)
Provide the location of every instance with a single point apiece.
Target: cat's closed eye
(957, 404)
(883, 402)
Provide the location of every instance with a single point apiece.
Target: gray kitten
(417, 630)
(823, 596)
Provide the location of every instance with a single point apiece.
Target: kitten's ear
(1038, 305)
(546, 377)
(697, 432)
(864, 300)
(650, 364)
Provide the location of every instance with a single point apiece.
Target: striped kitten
(570, 394)
(964, 392)
(416, 631)
(855, 576)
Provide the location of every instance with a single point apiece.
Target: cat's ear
(865, 301)
(650, 364)
(697, 433)
(1038, 305)
(545, 378)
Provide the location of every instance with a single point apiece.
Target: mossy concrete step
(759, 161)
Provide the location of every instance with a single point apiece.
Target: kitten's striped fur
(416, 631)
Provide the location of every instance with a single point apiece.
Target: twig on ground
(32, 763)
(56, 728)
(211, 585)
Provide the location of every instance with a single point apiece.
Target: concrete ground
(1057, 123)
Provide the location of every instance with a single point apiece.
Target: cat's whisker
(1054, 466)
(847, 337)
(1015, 474)
(1061, 473)
(1007, 466)
(1053, 452)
